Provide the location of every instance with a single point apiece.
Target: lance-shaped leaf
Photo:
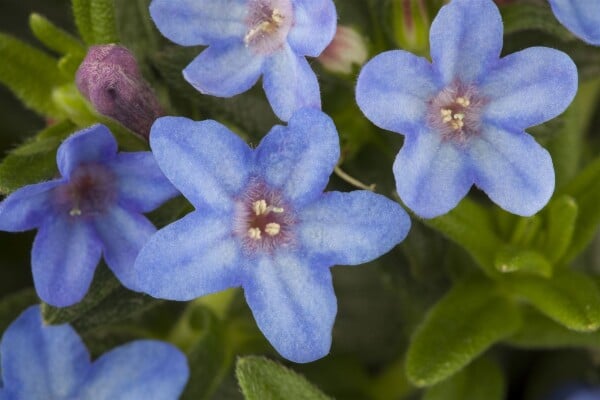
(262, 379)
(509, 260)
(54, 37)
(463, 324)
(95, 20)
(561, 219)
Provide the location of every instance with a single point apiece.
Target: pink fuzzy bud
(346, 48)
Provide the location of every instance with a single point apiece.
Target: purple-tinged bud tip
(347, 48)
(110, 79)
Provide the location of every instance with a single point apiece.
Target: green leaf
(481, 380)
(12, 305)
(30, 74)
(527, 16)
(136, 29)
(463, 324)
(263, 379)
(35, 160)
(54, 37)
(570, 298)
(95, 20)
(510, 260)
(561, 219)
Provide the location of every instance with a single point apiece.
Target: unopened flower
(95, 208)
(464, 115)
(41, 362)
(263, 222)
(582, 17)
(110, 79)
(346, 49)
(250, 38)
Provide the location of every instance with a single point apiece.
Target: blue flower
(263, 222)
(464, 115)
(41, 362)
(250, 38)
(95, 207)
(582, 17)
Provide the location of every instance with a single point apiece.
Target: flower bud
(110, 79)
(411, 25)
(346, 48)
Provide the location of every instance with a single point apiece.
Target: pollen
(254, 233)
(267, 26)
(260, 207)
(75, 212)
(272, 228)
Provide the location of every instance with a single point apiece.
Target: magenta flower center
(263, 220)
(455, 112)
(90, 191)
(268, 24)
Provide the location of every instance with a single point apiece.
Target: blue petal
(298, 159)
(123, 234)
(27, 207)
(224, 70)
(393, 89)
(432, 175)
(195, 22)
(513, 170)
(206, 161)
(582, 17)
(64, 256)
(529, 87)
(314, 26)
(189, 258)
(466, 39)
(352, 228)
(142, 185)
(290, 84)
(94, 144)
(293, 304)
(41, 361)
(144, 369)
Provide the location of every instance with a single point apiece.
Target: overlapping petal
(199, 22)
(299, 158)
(393, 89)
(466, 39)
(189, 258)
(94, 144)
(27, 207)
(314, 26)
(431, 174)
(352, 228)
(290, 84)
(293, 304)
(529, 87)
(64, 257)
(582, 17)
(512, 169)
(204, 177)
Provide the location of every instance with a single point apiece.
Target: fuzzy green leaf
(463, 324)
(511, 260)
(12, 305)
(481, 380)
(54, 37)
(263, 379)
(95, 20)
(561, 218)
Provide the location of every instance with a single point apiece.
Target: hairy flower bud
(346, 49)
(111, 80)
(411, 25)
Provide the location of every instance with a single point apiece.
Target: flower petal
(299, 158)
(580, 17)
(94, 144)
(393, 89)
(142, 185)
(123, 234)
(189, 258)
(41, 361)
(144, 369)
(224, 70)
(206, 161)
(314, 26)
(431, 174)
(64, 257)
(529, 87)
(293, 304)
(290, 84)
(199, 22)
(352, 228)
(466, 39)
(27, 207)
(513, 170)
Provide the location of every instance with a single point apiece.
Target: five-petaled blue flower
(464, 115)
(582, 17)
(41, 362)
(250, 38)
(95, 207)
(263, 222)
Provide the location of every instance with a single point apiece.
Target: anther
(259, 207)
(75, 212)
(463, 101)
(254, 233)
(277, 210)
(272, 228)
(265, 26)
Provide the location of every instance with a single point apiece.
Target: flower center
(268, 22)
(263, 220)
(455, 112)
(90, 191)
